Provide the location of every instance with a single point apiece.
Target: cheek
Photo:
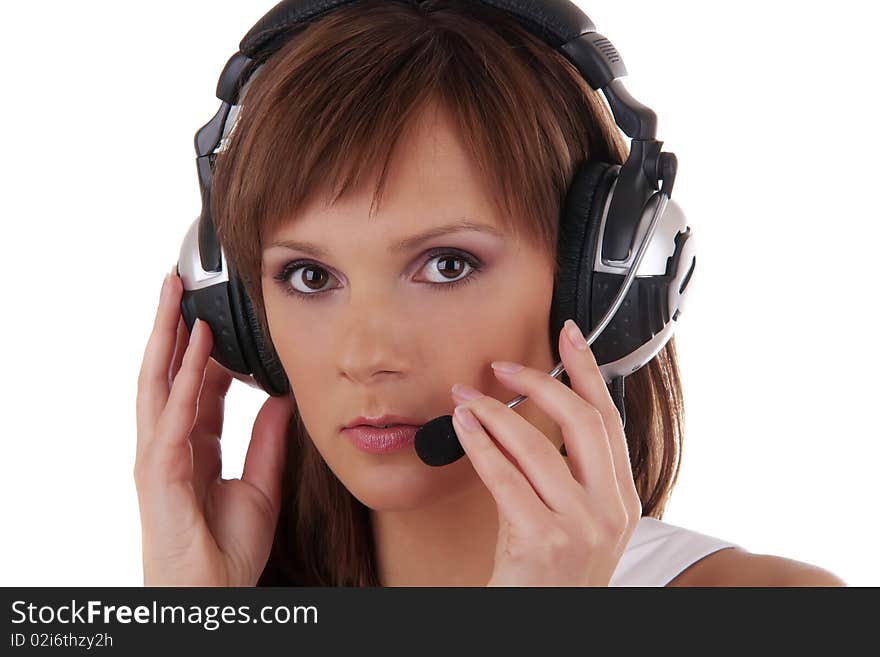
(462, 347)
(299, 344)
(305, 352)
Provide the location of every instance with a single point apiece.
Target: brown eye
(304, 279)
(447, 266)
(450, 266)
(314, 278)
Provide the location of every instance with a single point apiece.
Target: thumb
(264, 462)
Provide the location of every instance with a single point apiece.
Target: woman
(381, 123)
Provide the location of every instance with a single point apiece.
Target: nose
(372, 341)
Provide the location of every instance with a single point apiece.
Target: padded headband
(559, 23)
(556, 22)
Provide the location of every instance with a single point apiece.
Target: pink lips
(381, 441)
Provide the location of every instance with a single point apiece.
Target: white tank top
(658, 551)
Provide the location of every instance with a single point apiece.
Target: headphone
(626, 302)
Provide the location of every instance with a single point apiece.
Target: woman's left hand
(557, 526)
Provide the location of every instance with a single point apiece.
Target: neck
(450, 543)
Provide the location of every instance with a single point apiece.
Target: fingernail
(467, 419)
(575, 336)
(464, 392)
(174, 270)
(506, 366)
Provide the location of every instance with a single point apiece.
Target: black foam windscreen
(437, 443)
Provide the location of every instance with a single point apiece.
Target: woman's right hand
(198, 529)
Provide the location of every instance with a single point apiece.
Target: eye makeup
(474, 263)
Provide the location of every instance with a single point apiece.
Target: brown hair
(326, 110)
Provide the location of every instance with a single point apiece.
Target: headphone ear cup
(576, 249)
(258, 351)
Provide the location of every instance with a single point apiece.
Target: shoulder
(738, 567)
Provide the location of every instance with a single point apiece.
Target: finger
(179, 415)
(589, 458)
(264, 463)
(207, 461)
(588, 383)
(207, 432)
(515, 497)
(535, 455)
(153, 386)
(216, 385)
(179, 350)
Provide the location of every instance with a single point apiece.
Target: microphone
(436, 442)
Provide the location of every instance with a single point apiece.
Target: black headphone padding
(576, 249)
(259, 354)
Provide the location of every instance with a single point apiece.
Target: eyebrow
(402, 245)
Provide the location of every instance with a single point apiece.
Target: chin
(402, 482)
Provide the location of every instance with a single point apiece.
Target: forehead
(431, 180)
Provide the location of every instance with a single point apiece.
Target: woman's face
(390, 329)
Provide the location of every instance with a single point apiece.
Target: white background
(769, 106)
